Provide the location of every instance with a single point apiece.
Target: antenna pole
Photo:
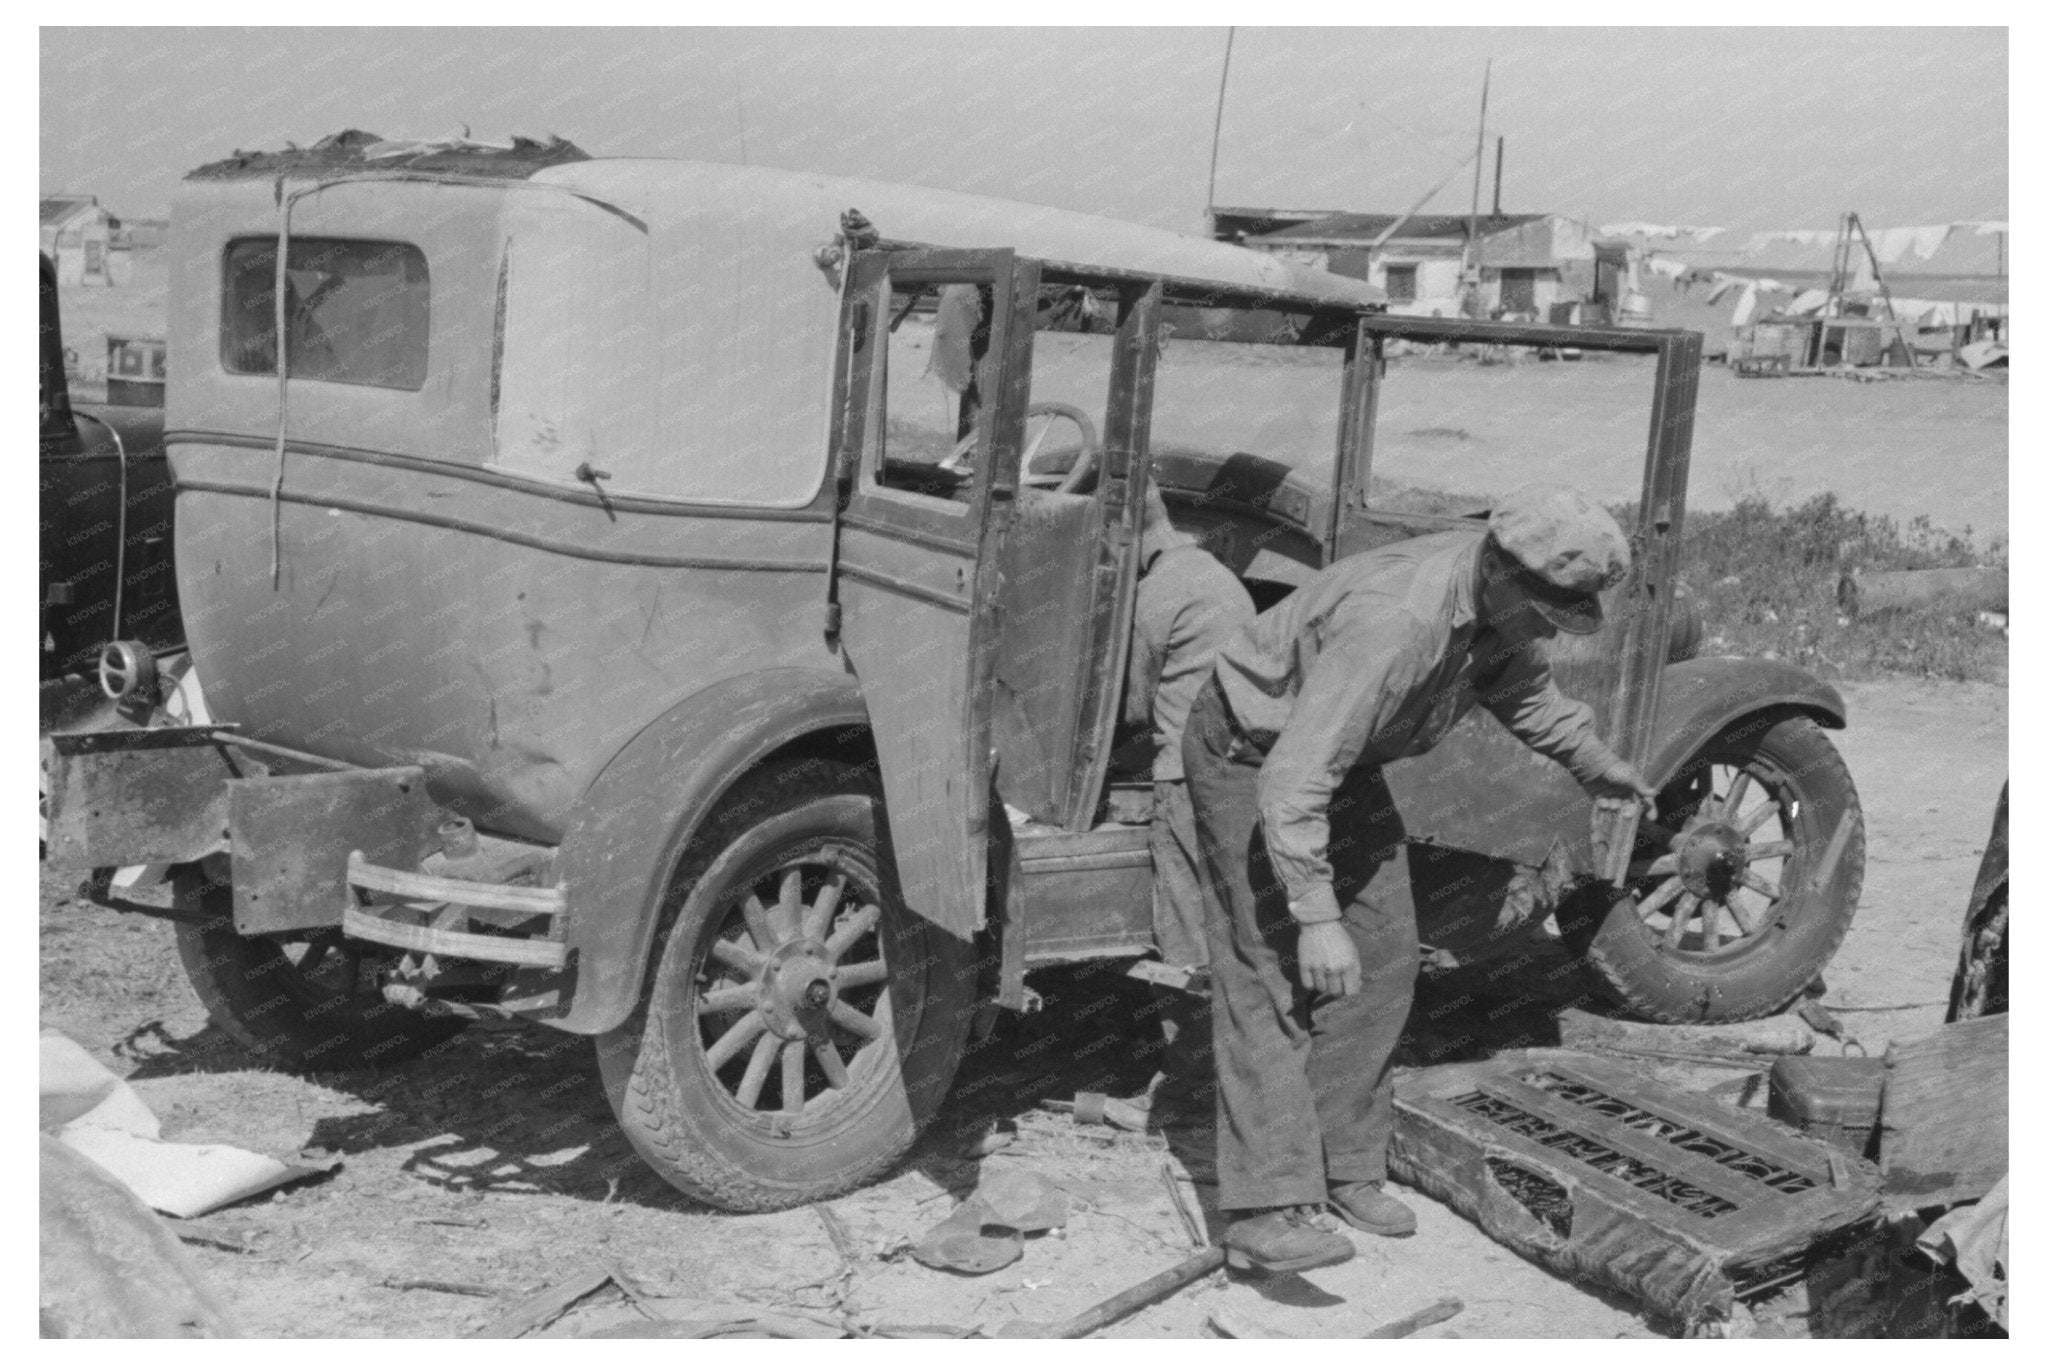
(1478, 174)
(1216, 138)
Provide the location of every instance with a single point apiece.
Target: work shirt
(1188, 605)
(1374, 659)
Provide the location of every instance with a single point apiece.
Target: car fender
(1701, 697)
(641, 813)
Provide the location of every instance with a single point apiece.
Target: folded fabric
(98, 1115)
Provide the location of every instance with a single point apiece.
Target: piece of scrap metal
(1583, 1165)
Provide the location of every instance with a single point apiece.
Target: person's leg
(1350, 1065)
(1177, 922)
(1269, 1151)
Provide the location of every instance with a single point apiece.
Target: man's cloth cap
(1565, 549)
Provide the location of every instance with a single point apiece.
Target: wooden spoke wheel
(794, 986)
(802, 1023)
(1744, 885)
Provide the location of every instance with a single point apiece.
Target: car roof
(671, 193)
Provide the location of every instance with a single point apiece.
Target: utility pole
(1216, 138)
(1473, 306)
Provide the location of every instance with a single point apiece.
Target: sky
(1741, 127)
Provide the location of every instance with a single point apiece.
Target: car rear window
(356, 311)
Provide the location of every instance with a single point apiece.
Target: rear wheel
(1744, 886)
(312, 1003)
(803, 1024)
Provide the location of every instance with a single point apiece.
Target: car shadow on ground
(522, 1109)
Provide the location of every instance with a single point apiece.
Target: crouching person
(1188, 604)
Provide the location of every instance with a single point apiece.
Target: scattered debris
(1585, 1166)
(1775, 1036)
(965, 1243)
(1976, 1240)
(986, 1231)
(774, 1326)
(998, 1135)
(1022, 1200)
(1198, 1235)
(98, 1115)
(1227, 1324)
(1944, 1136)
(1983, 588)
(108, 1266)
(1092, 1107)
(1443, 1310)
(1207, 1261)
(442, 1287)
(1834, 1099)
(543, 1308)
(1983, 355)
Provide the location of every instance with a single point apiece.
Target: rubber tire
(254, 996)
(1628, 960)
(678, 1116)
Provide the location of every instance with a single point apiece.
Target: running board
(426, 914)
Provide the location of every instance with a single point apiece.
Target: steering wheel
(1084, 459)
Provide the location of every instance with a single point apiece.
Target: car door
(927, 483)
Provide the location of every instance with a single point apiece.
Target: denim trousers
(1304, 1091)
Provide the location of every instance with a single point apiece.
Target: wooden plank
(543, 1308)
(1944, 1115)
(418, 886)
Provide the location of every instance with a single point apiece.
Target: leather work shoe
(1369, 1208)
(1283, 1240)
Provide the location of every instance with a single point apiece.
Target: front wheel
(803, 1024)
(1744, 885)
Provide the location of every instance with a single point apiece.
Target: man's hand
(1621, 782)
(1329, 960)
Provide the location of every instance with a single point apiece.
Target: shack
(84, 240)
(1529, 263)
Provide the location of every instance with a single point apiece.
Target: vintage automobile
(647, 601)
(105, 563)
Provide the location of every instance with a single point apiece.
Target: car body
(608, 620)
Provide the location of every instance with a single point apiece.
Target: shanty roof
(59, 207)
(1365, 227)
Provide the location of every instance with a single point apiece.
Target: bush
(1766, 578)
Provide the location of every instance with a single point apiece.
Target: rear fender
(1702, 697)
(633, 825)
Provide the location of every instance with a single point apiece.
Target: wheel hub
(1712, 859)
(797, 989)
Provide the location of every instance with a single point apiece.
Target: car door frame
(928, 562)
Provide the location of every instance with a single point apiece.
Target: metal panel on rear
(139, 796)
(292, 837)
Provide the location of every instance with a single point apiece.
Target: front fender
(638, 817)
(1701, 697)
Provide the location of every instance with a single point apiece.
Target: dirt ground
(496, 1169)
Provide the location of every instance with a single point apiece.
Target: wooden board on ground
(1944, 1116)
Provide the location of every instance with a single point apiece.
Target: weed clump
(1766, 580)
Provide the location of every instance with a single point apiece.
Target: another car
(105, 567)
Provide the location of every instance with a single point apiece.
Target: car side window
(930, 394)
(356, 312)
